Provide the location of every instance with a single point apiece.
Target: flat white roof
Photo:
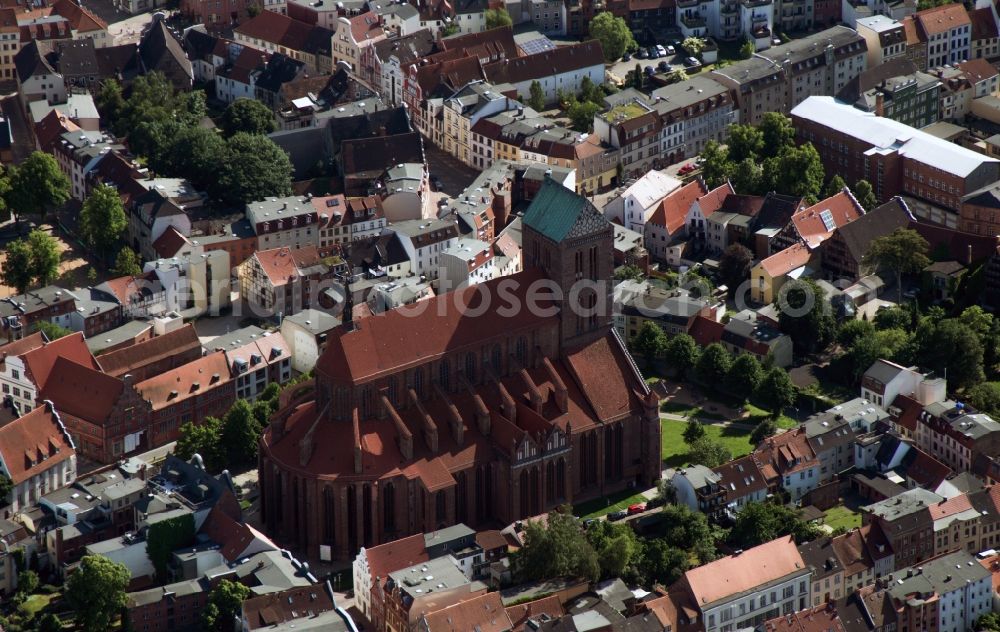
(880, 23)
(888, 135)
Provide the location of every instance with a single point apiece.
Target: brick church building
(470, 407)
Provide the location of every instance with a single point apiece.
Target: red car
(686, 169)
(637, 508)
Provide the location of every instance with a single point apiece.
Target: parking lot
(619, 70)
(453, 176)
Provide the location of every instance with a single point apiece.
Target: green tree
(734, 266)
(195, 153)
(689, 531)
(50, 622)
(103, 219)
(224, 604)
(496, 18)
(747, 176)
(37, 186)
(694, 46)
(865, 195)
(798, 171)
(713, 365)
(676, 75)
(778, 132)
(205, 440)
(991, 620)
(536, 96)
(661, 563)
(978, 320)
(681, 353)
(693, 431)
(452, 28)
(638, 80)
(16, 268)
(629, 272)
(951, 346)
(716, 166)
(110, 100)
(762, 522)
(270, 393)
(650, 341)
(44, 260)
(709, 453)
(96, 591)
(764, 429)
(985, 397)
(27, 583)
(247, 115)
(51, 330)
(256, 168)
(581, 115)
(893, 318)
(616, 546)
(865, 350)
(558, 548)
(834, 186)
(903, 251)
(776, 391)
(614, 35)
(747, 49)
(805, 315)
(240, 433)
(6, 487)
(127, 263)
(851, 330)
(165, 537)
(744, 376)
(745, 141)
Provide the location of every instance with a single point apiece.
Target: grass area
(674, 450)
(603, 506)
(245, 504)
(841, 516)
(35, 604)
(624, 112)
(757, 413)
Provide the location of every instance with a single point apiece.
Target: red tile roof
(521, 613)
(82, 391)
(184, 382)
(941, 19)
(232, 536)
(741, 477)
(927, 471)
(287, 607)
(809, 222)
(984, 26)
(49, 130)
(599, 368)
(783, 262)
(283, 264)
(490, 539)
(384, 343)
(910, 28)
(169, 243)
(366, 27)
(39, 362)
(80, 18)
(22, 346)
(740, 573)
(714, 199)
(950, 507)
(851, 552)
(546, 64)
(484, 613)
(977, 70)
(392, 556)
(910, 410)
(34, 443)
(705, 331)
(672, 211)
(157, 348)
(822, 618)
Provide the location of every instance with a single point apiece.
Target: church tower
(573, 243)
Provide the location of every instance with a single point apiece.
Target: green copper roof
(555, 210)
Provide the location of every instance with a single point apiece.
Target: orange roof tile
(392, 556)
(80, 18)
(977, 70)
(33, 443)
(82, 391)
(39, 362)
(822, 618)
(176, 342)
(942, 19)
(739, 573)
(520, 613)
(232, 536)
(783, 262)
(282, 264)
(169, 243)
(714, 199)
(705, 331)
(193, 378)
(366, 27)
(672, 211)
(817, 222)
(950, 507)
(484, 613)
(22, 346)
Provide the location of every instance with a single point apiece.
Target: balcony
(693, 21)
(729, 8)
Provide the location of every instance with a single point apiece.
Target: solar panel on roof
(827, 218)
(535, 46)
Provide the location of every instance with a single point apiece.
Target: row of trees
(232, 440)
(164, 127)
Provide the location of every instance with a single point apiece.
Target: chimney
(879, 104)
(968, 255)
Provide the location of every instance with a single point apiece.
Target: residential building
(561, 69)
(768, 276)
(947, 594)
(985, 35)
(37, 79)
(634, 206)
(28, 363)
(743, 482)
(344, 221)
(256, 358)
(288, 222)
(467, 262)
(827, 580)
(700, 489)
(464, 109)
(831, 438)
(673, 311)
(404, 606)
(382, 65)
(37, 455)
(424, 241)
(956, 436)
(947, 32)
(885, 38)
(302, 608)
(693, 112)
(20, 312)
(634, 128)
(895, 158)
(789, 462)
(282, 281)
(160, 50)
(884, 381)
(667, 225)
(276, 33)
(306, 334)
(844, 251)
(906, 523)
(194, 283)
(562, 233)
(760, 584)
(352, 35)
(150, 214)
(78, 153)
(898, 91)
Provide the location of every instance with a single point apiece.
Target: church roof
(558, 213)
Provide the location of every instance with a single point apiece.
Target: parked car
(649, 70)
(640, 54)
(671, 50)
(686, 169)
(660, 51)
(626, 56)
(656, 501)
(692, 62)
(637, 508)
(663, 66)
(653, 53)
(588, 522)
(617, 515)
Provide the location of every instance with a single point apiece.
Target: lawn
(689, 410)
(841, 516)
(603, 506)
(674, 451)
(757, 413)
(36, 603)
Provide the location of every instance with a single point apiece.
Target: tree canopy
(650, 341)
(762, 522)
(224, 604)
(247, 115)
(556, 549)
(734, 266)
(805, 315)
(240, 433)
(103, 219)
(682, 353)
(536, 95)
(255, 169)
(127, 263)
(705, 451)
(495, 18)
(34, 260)
(713, 365)
(96, 591)
(614, 35)
(37, 186)
(903, 251)
(776, 391)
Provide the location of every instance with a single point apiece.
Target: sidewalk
(709, 422)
